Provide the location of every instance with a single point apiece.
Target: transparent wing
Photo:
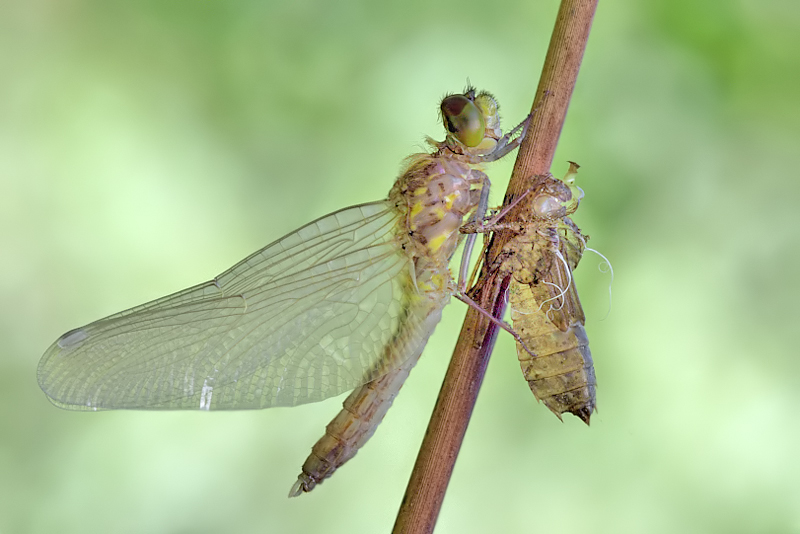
(303, 319)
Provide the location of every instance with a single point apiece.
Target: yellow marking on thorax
(449, 200)
(440, 212)
(436, 243)
(437, 282)
(416, 207)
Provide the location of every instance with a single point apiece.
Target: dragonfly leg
(476, 269)
(474, 227)
(508, 142)
(492, 223)
(463, 297)
(479, 214)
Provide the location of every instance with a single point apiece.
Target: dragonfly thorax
(437, 194)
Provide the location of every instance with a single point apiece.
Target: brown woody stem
(448, 424)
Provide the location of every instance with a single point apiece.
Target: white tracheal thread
(602, 269)
(563, 290)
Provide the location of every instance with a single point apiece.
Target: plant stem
(442, 442)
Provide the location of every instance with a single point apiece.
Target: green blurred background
(147, 146)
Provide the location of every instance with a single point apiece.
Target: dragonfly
(347, 302)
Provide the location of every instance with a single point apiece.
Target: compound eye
(548, 207)
(463, 119)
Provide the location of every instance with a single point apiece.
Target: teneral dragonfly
(347, 301)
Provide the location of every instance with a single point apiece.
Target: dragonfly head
(471, 121)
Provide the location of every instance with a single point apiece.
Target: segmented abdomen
(362, 412)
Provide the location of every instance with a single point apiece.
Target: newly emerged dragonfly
(347, 301)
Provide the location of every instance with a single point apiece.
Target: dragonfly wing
(301, 320)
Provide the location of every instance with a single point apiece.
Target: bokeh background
(147, 146)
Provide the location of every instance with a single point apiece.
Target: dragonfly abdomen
(362, 412)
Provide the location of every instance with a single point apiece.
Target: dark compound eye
(463, 119)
